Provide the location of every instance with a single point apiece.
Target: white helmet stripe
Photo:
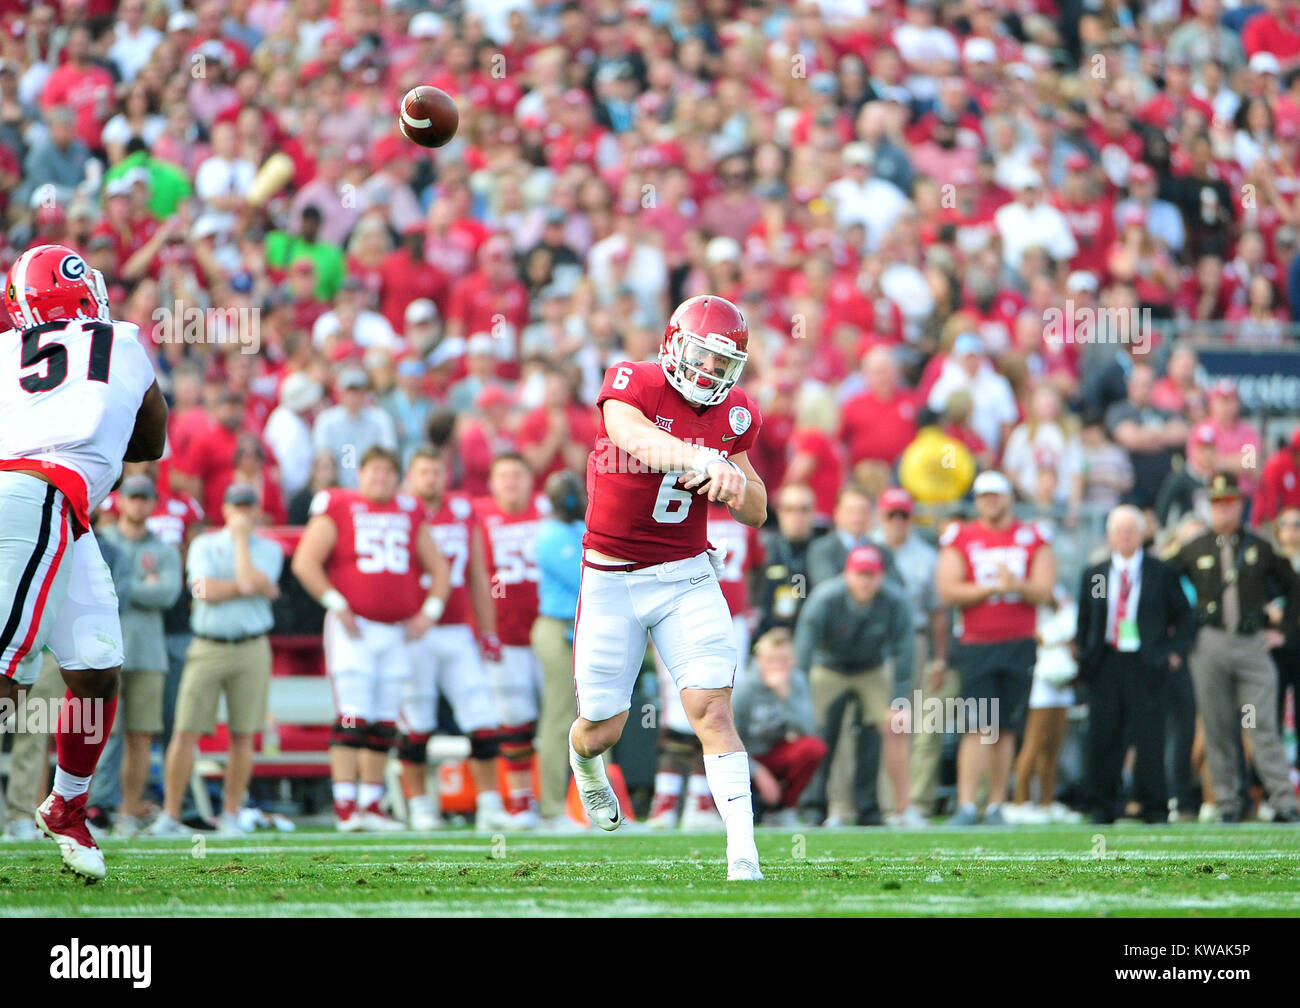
(18, 277)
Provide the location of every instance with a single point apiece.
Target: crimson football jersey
(634, 513)
(1000, 617)
(452, 526)
(375, 562)
(744, 553)
(510, 541)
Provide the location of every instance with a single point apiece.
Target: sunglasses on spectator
(794, 507)
(1289, 524)
(897, 514)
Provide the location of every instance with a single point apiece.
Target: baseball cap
(182, 21)
(138, 485)
(980, 50)
(120, 186)
(421, 311)
(722, 249)
(895, 499)
(1223, 389)
(299, 392)
(991, 482)
(353, 378)
(967, 343)
(1204, 434)
(1077, 162)
(1224, 487)
(864, 558)
(240, 495)
(426, 24)
(856, 153)
(481, 343)
(412, 367)
(1133, 216)
(492, 395)
(1141, 172)
(1028, 179)
(1265, 63)
(1081, 280)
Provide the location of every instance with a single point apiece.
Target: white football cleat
(491, 817)
(228, 825)
(701, 815)
(601, 805)
(165, 825)
(663, 812)
(909, 818)
(63, 820)
(374, 821)
(423, 818)
(744, 870)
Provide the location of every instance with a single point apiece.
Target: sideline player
(448, 658)
(668, 434)
(361, 556)
(680, 756)
(77, 398)
(511, 521)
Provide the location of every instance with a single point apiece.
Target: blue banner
(1267, 380)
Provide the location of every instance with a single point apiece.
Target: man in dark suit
(851, 529)
(1135, 629)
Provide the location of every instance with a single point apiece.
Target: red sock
(82, 733)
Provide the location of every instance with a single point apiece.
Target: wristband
(705, 457)
(333, 601)
(433, 608)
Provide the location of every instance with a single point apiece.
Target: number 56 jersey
(69, 394)
(635, 513)
(375, 563)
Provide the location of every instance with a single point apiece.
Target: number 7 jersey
(634, 513)
(69, 395)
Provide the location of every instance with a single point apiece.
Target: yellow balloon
(936, 468)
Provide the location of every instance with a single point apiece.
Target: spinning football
(428, 116)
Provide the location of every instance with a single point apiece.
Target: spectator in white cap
(480, 367)
(288, 430)
(408, 405)
(968, 367)
(1028, 221)
(351, 320)
(722, 261)
(420, 330)
(859, 197)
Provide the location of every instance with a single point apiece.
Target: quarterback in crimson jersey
(362, 555)
(511, 520)
(672, 437)
(996, 571)
(447, 660)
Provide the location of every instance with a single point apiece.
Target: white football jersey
(69, 395)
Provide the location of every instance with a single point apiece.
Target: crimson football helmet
(52, 282)
(705, 348)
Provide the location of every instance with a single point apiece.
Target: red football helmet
(704, 349)
(52, 282)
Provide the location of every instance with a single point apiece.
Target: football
(428, 116)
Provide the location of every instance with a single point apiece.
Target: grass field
(1249, 870)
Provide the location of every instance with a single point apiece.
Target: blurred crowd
(897, 195)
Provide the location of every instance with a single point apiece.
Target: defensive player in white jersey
(77, 397)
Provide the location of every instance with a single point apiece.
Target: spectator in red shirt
(734, 211)
(209, 463)
(489, 299)
(1279, 482)
(84, 86)
(483, 438)
(876, 425)
(1273, 30)
(1178, 386)
(814, 453)
(406, 276)
(560, 433)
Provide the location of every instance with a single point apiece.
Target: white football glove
(718, 558)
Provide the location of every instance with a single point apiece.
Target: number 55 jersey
(71, 392)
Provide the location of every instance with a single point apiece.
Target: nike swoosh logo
(737, 797)
(697, 580)
(730, 437)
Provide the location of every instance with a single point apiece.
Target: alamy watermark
(1083, 324)
(191, 324)
(947, 715)
(37, 716)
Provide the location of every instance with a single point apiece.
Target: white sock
(68, 786)
(699, 785)
(369, 794)
(668, 784)
(728, 776)
(420, 803)
(588, 771)
(345, 791)
(489, 800)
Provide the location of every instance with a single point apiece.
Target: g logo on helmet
(73, 268)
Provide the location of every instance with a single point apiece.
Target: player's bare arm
(308, 566)
(438, 568)
(480, 585)
(951, 584)
(149, 437)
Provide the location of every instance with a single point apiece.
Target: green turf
(1190, 870)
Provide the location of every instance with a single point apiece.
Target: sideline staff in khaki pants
(234, 575)
(559, 562)
(29, 756)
